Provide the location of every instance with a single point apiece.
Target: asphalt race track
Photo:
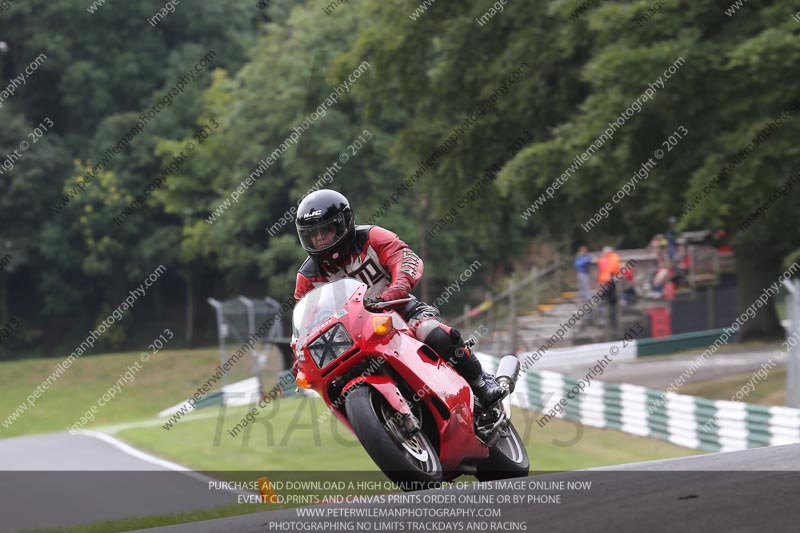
(744, 491)
(60, 479)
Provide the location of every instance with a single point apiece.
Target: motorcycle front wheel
(411, 462)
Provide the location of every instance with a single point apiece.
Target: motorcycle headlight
(330, 345)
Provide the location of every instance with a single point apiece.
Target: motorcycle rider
(337, 249)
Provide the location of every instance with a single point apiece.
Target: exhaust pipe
(508, 372)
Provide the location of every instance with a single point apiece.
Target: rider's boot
(486, 389)
(449, 344)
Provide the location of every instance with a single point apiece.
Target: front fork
(407, 423)
(493, 425)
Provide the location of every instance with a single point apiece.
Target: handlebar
(383, 305)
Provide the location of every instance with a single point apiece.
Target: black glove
(369, 304)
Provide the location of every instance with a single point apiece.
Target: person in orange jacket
(607, 271)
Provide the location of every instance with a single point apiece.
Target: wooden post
(559, 286)
(711, 307)
(513, 301)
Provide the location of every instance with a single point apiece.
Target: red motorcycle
(411, 411)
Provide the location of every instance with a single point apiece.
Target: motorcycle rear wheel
(507, 458)
(411, 462)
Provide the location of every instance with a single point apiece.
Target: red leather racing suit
(380, 259)
(391, 269)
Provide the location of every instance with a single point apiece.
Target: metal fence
(238, 320)
(793, 360)
(532, 308)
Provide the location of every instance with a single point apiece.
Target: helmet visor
(324, 235)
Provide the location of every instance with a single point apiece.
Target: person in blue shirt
(583, 261)
(672, 244)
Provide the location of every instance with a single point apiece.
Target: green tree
(724, 94)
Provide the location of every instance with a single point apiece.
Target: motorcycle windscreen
(319, 305)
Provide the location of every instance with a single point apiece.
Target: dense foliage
(535, 85)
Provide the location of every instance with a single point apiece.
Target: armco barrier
(688, 421)
(585, 354)
(677, 343)
(580, 355)
(243, 392)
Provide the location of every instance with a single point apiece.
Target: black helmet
(326, 226)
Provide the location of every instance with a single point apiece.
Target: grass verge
(167, 379)
(287, 436)
(770, 391)
(132, 524)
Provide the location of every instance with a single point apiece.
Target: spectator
(628, 287)
(683, 263)
(658, 247)
(607, 269)
(583, 262)
(663, 265)
(720, 240)
(672, 246)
